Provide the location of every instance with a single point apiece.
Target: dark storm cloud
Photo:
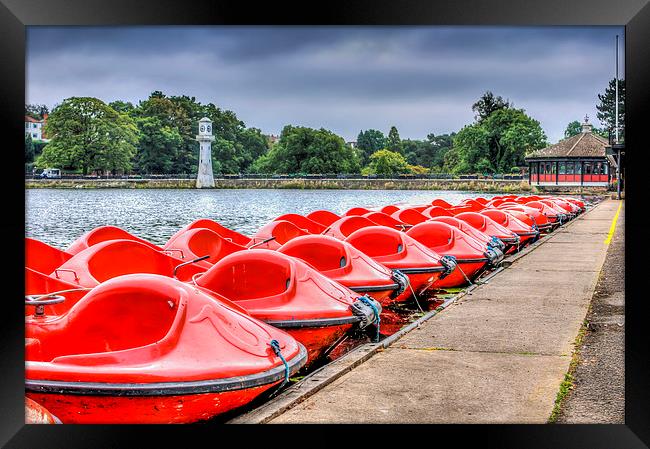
(421, 79)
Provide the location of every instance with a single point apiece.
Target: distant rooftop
(585, 144)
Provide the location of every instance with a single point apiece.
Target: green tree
(496, 144)
(394, 143)
(385, 162)
(29, 148)
(368, 142)
(309, 151)
(88, 134)
(122, 106)
(488, 104)
(158, 146)
(572, 129)
(607, 108)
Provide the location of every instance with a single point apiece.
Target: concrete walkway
(496, 356)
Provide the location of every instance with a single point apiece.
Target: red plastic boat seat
(323, 217)
(397, 250)
(488, 226)
(342, 262)
(551, 213)
(436, 211)
(199, 242)
(445, 239)
(409, 216)
(113, 258)
(275, 234)
(465, 227)
(305, 223)
(345, 226)
(212, 225)
(357, 211)
(42, 257)
(383, 219)
(390, 209)
(104, 234)
(440, 202)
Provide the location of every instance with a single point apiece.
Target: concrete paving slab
(437, 387)
(492, 326)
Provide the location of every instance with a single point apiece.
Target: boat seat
(104, 234)
(322, 252)
(42, 257)
(108, 320)
(201, 242)
(249, 275)
(114, 258)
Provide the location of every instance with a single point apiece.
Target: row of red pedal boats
(120, 330)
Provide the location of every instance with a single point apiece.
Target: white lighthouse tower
(205, 178)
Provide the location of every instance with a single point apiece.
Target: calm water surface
(59, 216)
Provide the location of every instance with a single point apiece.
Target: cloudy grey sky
(420, 79)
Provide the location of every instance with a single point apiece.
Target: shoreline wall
(481, 185)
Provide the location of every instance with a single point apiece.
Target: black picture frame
(15, 15)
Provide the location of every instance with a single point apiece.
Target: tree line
(157, 136)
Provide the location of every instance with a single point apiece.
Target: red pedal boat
(287, 293)
(104, 234)
(345, 226)
(440, 202)
(42, 257)
(304, 223)
(383, 219)
(196, 243)
(436, 211)
(398, 251)
(40, 285)
(149, 349)
(493, 229)
(390, 209)
(357, 211)
(555, 217)
(470, 230)
(343, 263)
(323, 217)
(113, 258)
(212, 225)
(471, 256)
(526, 233)
(409, 216)
(275, 234)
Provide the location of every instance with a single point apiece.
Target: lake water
(59, 216)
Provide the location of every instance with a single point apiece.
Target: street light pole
(618, 161)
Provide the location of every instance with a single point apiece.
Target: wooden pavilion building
(580, 160)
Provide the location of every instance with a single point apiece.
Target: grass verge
(568, 383)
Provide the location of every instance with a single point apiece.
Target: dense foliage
(89, 135)
(386, 162)
(495, 143)
(368, 142)
(575, 127)
(308, 151)
(157, 136)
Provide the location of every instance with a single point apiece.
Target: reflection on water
(59, 216)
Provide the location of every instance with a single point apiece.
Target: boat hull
(175, 409)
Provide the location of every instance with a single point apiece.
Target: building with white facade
(34, 128)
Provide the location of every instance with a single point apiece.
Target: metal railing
(76, 176)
